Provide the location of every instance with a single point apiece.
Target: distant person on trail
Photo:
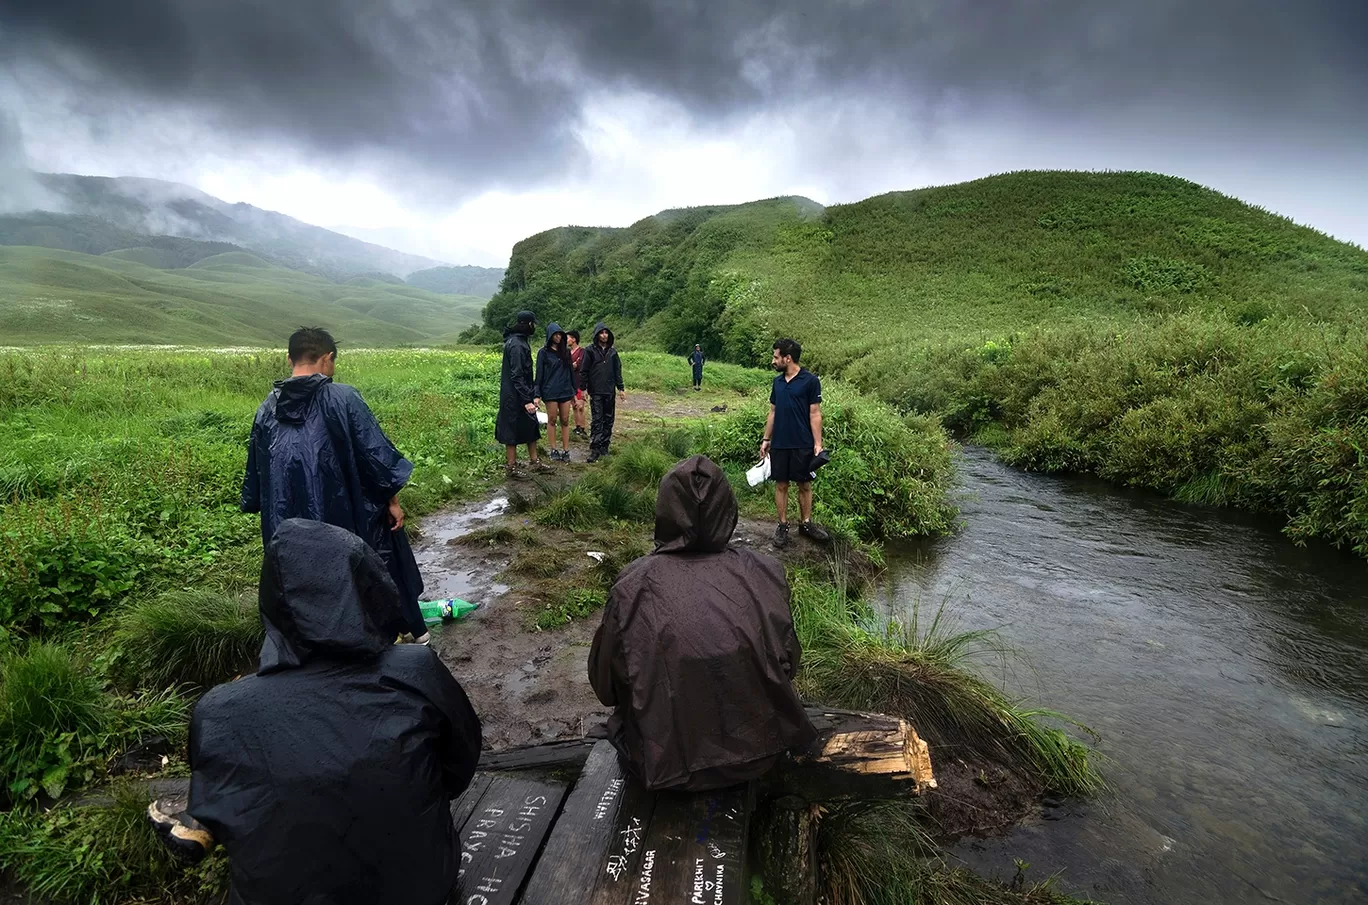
(793, 438)
(317, 452)
(328, 775)
(517, 423)
(555, 385)
(697, 359)
(697, 651)
(577, 359)
(602, 375)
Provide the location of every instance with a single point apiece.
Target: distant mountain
(151, 207)
(148, 294)
(466, 280)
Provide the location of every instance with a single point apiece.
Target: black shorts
(791, 465)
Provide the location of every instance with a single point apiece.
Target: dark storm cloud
(487, 92)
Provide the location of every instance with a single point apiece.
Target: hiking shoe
(542, 467)
(781, 538)
(815, 532)
(514, 473)
(593, 457)
(184, 836)
(580, 433)
(565, 456)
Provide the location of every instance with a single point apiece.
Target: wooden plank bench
(612, 844)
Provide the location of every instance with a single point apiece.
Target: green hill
(1133, 325)
(94, 236)
(983, 257)
(230, 298)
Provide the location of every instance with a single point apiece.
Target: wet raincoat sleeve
(617, 373)
(537, 389)
(459, 735)
(251, 479)
(602, 655)
(384, 471)
(520, 376)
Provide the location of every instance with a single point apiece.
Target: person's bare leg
(781, 500)
(565, 408)
(579, 414)
(805, 501)
(510, 456)
(532, 452)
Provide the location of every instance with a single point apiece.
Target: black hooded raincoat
(514, 426)
(327, 775)
(697, 650)
(317, 452)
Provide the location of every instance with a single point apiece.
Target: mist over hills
(152, 207)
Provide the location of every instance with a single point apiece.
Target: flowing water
(1224, 669)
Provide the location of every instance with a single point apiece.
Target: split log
(857, 755)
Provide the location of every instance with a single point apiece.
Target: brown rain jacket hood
(697, 652)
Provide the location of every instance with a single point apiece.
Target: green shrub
(197, 638)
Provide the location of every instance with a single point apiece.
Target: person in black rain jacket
(516, 423)
(555, 386)
(328, 775)
(602, 371)
(317, 452)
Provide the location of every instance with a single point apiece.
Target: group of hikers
(327, 775)
(566, 374)
(565, 377)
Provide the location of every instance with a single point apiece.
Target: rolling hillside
(465, 280)
(154, 207)
(232, 298)
(1136, 326)
(909, 269)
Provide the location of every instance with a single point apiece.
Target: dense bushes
(1271, 417)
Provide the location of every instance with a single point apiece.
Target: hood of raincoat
(294, 395)
(695, 509)
(552, 329)
(598, 328)
(324, 593)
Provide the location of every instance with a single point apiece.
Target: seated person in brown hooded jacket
(697, 651)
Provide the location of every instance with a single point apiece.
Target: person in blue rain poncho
(317, 452)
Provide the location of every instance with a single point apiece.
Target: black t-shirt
(792, 400)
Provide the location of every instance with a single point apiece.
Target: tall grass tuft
(880, 854)
(642, 464)
(58, 724)
(193, 637)
(924, 672)
(102, 853)
(572, 509)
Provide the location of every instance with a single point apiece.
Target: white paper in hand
(541, 417)
(760, 473)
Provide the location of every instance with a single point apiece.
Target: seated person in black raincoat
(327, 776)
(697, 650)
(317, 452)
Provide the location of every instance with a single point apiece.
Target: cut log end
(870, 745)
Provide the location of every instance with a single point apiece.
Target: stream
(1224, 669)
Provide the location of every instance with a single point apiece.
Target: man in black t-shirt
(793, 436)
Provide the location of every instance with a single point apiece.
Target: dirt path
(530, 686)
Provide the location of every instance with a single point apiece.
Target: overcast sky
(453, 129)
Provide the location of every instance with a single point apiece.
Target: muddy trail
(531, 685)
